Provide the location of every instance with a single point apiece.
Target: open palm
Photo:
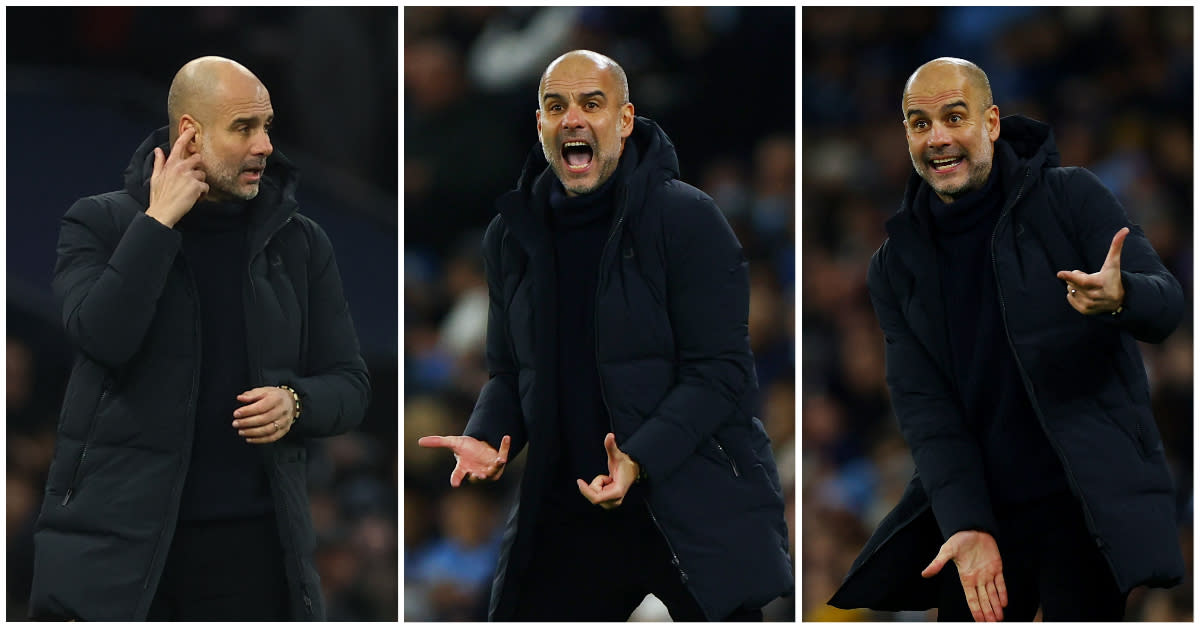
(476, 460)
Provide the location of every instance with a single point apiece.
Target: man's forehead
(575, 77)
(922, 100)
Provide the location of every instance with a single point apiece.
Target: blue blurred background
(720, 82)
(85, 86)
(1116, 86)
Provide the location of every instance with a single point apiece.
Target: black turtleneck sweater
(225, 478)
(1019, 462)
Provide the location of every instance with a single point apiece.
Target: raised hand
(475, 459)
(1100, 292)
(177, 184)
(979, 569)
(608, 491)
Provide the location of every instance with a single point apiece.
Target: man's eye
(592, 105)
(919, 124)
(955, 118)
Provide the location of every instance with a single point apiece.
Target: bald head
(954, 66)
(201, 84)
(585, 59)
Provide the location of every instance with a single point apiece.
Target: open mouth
(577, 156)
(254, 174)
(945, 164)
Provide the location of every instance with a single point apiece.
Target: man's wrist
(295, 402)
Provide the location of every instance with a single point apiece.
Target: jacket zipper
(185, 460)
(728, 458)
(683, 577)
(256, 360)
(1087, 513)
(86, 443)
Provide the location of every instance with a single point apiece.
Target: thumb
(610, 446)
(938, 563)
(1114, 251)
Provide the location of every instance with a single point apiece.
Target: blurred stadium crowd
(720, 83)
(85, 86)
(1116, 86)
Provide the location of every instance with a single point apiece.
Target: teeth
(942, 162)
(572, 144)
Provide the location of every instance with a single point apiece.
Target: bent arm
(335, 388)
(498, 411)
(109, 280)
(708, 300)
(1154, 301)
(948, 457)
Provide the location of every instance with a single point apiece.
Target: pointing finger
(158, 161)
(177, 149)
(587, 491)
(1114, 250)
(436, 441)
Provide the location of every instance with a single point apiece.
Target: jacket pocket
(728, 459)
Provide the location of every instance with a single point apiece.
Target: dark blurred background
(1116, 86)
(720, 82)
(85, 86)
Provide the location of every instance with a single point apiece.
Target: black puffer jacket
(125, 432)
(676, 373)
(1083, 374)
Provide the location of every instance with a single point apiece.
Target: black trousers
(601, 568)
(1050, 560)
(223, 571)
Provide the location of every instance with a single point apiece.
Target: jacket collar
(274, 205)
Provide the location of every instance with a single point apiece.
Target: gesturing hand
(268, 414)
(475, 459)
(1100, 292)
(608, 491)
(979, 568)
(176, 185)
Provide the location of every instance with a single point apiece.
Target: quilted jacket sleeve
(1154, 301)
(708, 298)
(948, 457)
(497, 412)
(109, 278)
(335, 388)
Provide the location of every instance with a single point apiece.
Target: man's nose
(573, 119)
(938, 135)
(262, 145)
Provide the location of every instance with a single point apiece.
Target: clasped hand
(267, 416)
(1101, 292)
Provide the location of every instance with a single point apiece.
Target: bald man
(213, 339)
(618, 351)
(1012, 293)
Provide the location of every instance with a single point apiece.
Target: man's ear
(186, 122)
(626, 119)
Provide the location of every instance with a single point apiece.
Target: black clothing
(225, 478)
(579, 226)
(1049, 561)
(1083, 376)
(675, 370)
(602, 568)
(227, 570)
(124, 439)
(1019, 464)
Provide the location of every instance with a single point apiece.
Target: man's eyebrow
(950, 105)
(552, 95)
(251, 120)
